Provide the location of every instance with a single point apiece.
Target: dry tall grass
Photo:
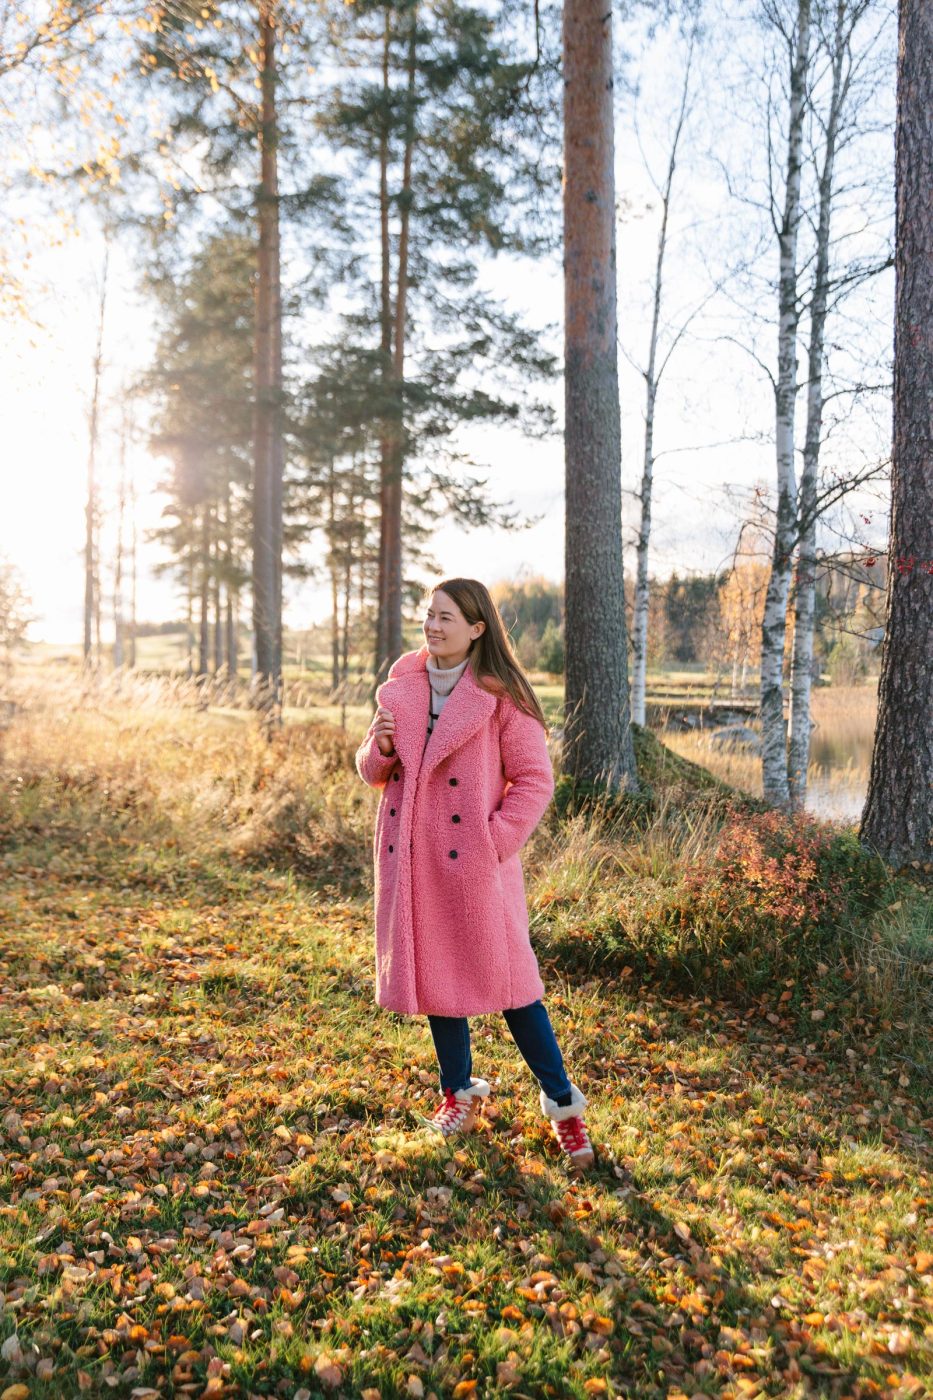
(152, 773)
(142, 753)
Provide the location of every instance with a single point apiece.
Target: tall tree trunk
(218, 610)
(798, 760)
(230, 646)
(131, 620)
(231, 634)
(189, 614)
(334, 585)
(774, 623)
(641, 603)
(597, 744)
(118, 647)
(361, 606)
(898, 817)
(269, 455)
(400, 331)
(393, 459)
(91, 512)
(383, 659)
(347, 591)
(98, 594)
(204, 631)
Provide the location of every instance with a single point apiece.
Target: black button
(391, 848)
(453, 855)
(395, 776)
(452, 781)
(455, 818)
(391, 811)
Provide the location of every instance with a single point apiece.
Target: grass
(211, 1177)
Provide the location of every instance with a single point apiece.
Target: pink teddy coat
(451, 914)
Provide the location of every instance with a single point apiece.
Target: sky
(715, 415)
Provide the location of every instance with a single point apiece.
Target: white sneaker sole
(466, 1126)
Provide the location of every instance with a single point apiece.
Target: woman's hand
(384, 730)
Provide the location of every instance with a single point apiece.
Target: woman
(458, 748)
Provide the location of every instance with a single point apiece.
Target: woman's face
(446, 630)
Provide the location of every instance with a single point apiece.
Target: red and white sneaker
(458, 1112)
(569, 1128)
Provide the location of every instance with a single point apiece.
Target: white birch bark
(773, 628)
(652, 379)
(798, 758)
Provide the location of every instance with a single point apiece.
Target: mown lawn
(213, 1182)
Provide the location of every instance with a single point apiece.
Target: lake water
(840, 752)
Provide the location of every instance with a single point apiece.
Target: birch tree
(652, 376)
(897, 820)
(844, 17)
(831, 84)
(796, 34)
(597, 744)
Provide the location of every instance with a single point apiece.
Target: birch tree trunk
(773, 628)
(798, 759)
(898, 817)
(652, 376)
(269, 457)
(597, 743)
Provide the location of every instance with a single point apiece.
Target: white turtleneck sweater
(442, 681)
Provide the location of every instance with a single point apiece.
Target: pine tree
(598, 747)
(439, 113)
(898, 816)
(221, 64)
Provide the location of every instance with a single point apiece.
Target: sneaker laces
(452, 1111)
(572, 1135)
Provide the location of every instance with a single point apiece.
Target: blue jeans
(532, 1032)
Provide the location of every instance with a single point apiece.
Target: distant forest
(708, 620)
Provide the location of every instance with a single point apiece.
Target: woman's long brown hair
(493, 662)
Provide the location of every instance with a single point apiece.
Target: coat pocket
(491, 844)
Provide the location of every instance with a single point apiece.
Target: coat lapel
(408, 696)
